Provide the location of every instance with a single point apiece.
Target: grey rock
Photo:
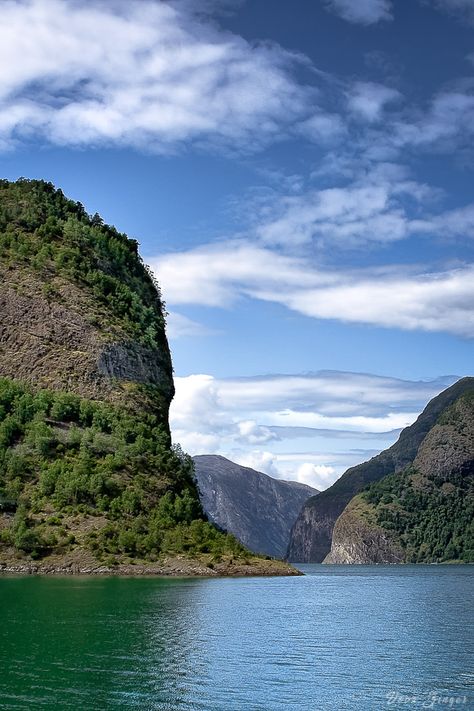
(258, 509)
(132, 361)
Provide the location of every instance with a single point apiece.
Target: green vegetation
(64, 459)
(432, 519)
(41, 229)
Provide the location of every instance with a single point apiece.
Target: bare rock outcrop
(256, 508)
(358, 539)
(56, 340)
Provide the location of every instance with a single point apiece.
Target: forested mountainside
(311, 537)
(87, 472)
(424, 514)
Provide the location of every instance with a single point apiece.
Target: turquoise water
(341, 637)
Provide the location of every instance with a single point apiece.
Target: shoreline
(169, 568)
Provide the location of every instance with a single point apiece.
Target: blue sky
(299, 176)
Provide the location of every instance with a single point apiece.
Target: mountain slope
(258, 509)
(87, 472)
(311, 535)
(424, 513)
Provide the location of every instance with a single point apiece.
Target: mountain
(311, 536)
(88, 478)
(256, 508)
(424, 514)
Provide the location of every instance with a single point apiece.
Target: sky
(300, 178)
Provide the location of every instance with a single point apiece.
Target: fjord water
(342, 637)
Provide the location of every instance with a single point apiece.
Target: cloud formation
(143, 73)
(448, 123)
(302, 427)
(361, 12)
(158, 76)
(367, 100)
(391, 297)
(381, 205)
(180, 326)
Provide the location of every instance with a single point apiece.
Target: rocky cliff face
(256, 508)
(57, 341)
(311, 536)
(358, 539)
(426, 512)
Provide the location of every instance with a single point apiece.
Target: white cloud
(455, 223)
(260, 461)
(143, 73)
(160, 75)
(440, 301)
(363, 12)
(291, 418)
(368, 100)
(347, 216)
(330, 393)
(217, 275)
(390, 297)
(241, 418)
(322, 127)
(319, 476)
(251, 432)
(448, 123)
(380, 205)
(180, 326)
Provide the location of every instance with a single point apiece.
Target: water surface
(342, 637)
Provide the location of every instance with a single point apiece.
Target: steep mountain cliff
(311, 536)
(424, 513)
(87, 472)
(258, 509)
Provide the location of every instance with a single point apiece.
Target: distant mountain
(311, 536)
(258, 509)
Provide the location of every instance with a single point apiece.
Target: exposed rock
(449, 445)
(56, 343)
(133, 362)
(258, 509)
(358, 539)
